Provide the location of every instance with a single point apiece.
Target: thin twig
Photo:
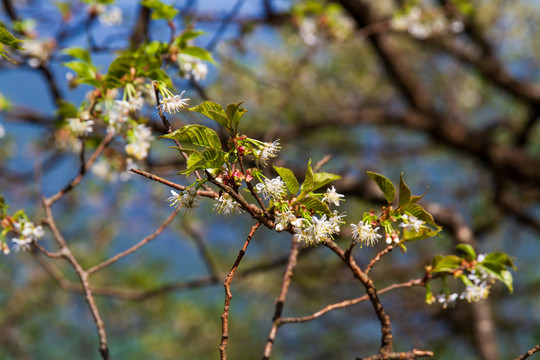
(83, 277)
(530, 352)
(295, 249)
(378, 257)
(228, 295)
(346, 303)
(135, 247)
(52, 199)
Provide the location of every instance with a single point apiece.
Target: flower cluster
(272, 188)
(411, 223)
(80, 127)
(423, 23)
(267, 151)
(139, 142)
(227, 205)
(192, 67)
(111, 16)
(174, 103)
(187, 199)
(320, 229)
(365, 234)
(28, 233)
(332, 197)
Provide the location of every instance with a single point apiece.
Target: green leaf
(182, 40)
(424, 233)
(197, 135)
(322, 178)
(78, 53)
(420, 213)
(67, 110)
(447, 263)
(160, 10)
(199, 53)
(208, 159)
(500, 258)
(404, 192)
(288, 177)
(234, 113)
(467, 249)
(213, 111)
(309, 181)
(313, 203)
(8, 39)
(117, 70)
(385, 185)
(83, 70)
(507, 280)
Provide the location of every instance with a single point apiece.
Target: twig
(346, 303)
(228, 295)
(409, 355)
(530, 352)
(282, 296)
(135, 247)
(83, 277)
(206, 193)
(378, 257)
(52, 199)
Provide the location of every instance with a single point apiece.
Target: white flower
(111, 17)
(308, 31)
(173, 104)
(411, 223)
(38, 50)
(283, 220)
(268, 151)
(192, 66)
(365, 233)
(272, 188)
(332, 197)
(449, 300)
(22, 244)
(2, 131)
(335, 221)
(321, 230)
(102, 169)
(227, 205)
(80, 127)
(476, 292)
(187, 199)
(139, 142)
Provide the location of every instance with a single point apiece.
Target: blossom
(411, 223)
(187, 199)
(269, 150)
(2, 131)
(80, 127)
(140, 142)
(447, 300)
(335, 221)
(28, 233)
(272, 188)
(318, 232)
(365, 233)
(173, 104)
(227, 205)
(38, 50)
(111, 17)
(283, 220)
(192, 66)
(332, 197)
(476, 292)
(308, 31)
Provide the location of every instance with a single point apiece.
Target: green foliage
(385, 185)
(404, 192)
(313, 203)
(321, 179)
(8, 40)
(199, 53)
(195, 134)
(289, 179)
(160, 10)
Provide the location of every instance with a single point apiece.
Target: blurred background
(446, 92)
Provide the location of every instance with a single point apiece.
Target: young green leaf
(420, 213)
(199, 53)
(322, 178)
(308, 183)
(313, 203)
(404, 192)
(160, 10)
(197, 135)
(385, 185)
(234, 113)
(288, 177)
(468, 250)
(213, 111)
(447, 263)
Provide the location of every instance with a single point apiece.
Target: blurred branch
(530, 352)
(135, 247)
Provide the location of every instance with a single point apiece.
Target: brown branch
(530, 352)
(228, 295)
(206, 193)
(347, 303)
(282, 296)
(135, 247)
(409, 355)
(52, 199)
(384, 319)
(378, 257)
(83, 277)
